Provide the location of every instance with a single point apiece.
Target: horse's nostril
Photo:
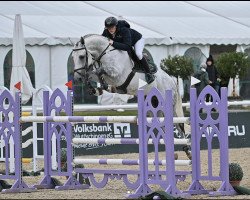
(81, 57)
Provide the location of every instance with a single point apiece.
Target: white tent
(170, 28)
(198, 22)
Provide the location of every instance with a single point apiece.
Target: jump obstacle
(150, 131)
(36, 102)
(36, 107)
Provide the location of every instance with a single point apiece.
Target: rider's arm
(127, 41)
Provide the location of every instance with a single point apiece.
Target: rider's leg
(149, 76)
(133, 56)
(139, 45)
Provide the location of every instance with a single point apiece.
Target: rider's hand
(111, 42)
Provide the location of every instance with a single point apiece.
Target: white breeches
(139, 46)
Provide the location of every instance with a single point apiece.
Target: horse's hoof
(176, 156)
(187, 151)
(189, 156)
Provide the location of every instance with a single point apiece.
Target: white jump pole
(123, 141)
(125, 162)
(96, 119)
(130, 106)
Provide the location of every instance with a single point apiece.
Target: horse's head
(82, 60)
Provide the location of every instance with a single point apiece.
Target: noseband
(86, 63)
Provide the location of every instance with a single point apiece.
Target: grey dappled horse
(95, 60)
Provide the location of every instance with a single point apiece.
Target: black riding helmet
(110, 21)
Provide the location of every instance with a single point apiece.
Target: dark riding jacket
(212, 74)
(125, 37)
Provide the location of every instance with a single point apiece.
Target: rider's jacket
(125, 37)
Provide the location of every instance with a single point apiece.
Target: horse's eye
(81, 57)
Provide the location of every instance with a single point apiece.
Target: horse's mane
(89, 35)
(92, 35)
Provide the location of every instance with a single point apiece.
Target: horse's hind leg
(181, 132)
(187, 150)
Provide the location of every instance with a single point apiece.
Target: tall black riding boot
(134, 57)
(149, 76)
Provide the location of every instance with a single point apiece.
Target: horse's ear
(82, 40)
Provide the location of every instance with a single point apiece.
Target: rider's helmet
(110, 21)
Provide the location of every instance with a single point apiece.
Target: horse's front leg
(104, 85)
(99, 90)
(94, 91)
(100, 72)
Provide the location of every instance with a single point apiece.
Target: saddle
(138, 67)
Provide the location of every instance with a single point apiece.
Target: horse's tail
(185, 128)
(178, 105)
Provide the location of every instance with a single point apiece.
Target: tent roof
(186, 22)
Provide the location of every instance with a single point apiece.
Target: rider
(122, 37)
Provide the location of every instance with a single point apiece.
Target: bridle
(95, 65)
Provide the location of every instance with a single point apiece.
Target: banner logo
(122, 130)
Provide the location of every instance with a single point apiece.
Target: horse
(96, 60)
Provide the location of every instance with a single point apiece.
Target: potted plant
(177, 66)
(232, 65)
(235, 174)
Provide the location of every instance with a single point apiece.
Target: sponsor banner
(238, 132)
(104, 130)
